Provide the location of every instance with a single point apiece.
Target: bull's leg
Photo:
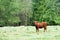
(45, 29)
(37, 30)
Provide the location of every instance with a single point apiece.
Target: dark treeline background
(24, 12)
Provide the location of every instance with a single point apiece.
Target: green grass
(29, 33)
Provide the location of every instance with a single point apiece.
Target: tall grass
(21, 33)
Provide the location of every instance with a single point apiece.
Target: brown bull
(40, 25)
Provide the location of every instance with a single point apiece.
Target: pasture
(29, 33)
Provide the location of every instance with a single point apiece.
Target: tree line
(24, 12)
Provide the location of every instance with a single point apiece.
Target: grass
(29, 33)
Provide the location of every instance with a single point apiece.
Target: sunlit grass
(29, 33)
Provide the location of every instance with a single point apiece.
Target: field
(29, 33)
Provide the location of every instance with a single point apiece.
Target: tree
(9, 10)
(45, 10)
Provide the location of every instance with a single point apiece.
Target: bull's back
(40, 25)
(44, 23)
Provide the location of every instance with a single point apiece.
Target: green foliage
(32, 10)
(9, 10)
(46, 10)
